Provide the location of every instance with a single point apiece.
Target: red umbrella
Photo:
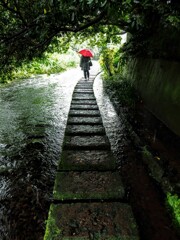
(86, 52)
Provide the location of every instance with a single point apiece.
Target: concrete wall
(158, 82)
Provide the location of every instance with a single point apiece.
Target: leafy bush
(121, 89)
(107, 61)
(113, 60)
(50, 63)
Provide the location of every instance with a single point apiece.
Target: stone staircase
(88, 192)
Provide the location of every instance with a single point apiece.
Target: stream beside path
(33, 116)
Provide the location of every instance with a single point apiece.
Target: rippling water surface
(33, 115)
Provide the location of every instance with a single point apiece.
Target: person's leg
(85, 74)
(88, 74)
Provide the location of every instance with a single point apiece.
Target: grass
(52, 231)
(173, 203)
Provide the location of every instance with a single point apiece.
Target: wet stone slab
(86, 142)
(85, 130)
(84, 120)
(89, 83)
(90, 113)
(87, 160)
(83, 95)
(88, 107)
(84, 102)
(82, 87)
(83, 221)
(84, 83)
(88, 185)
(84, 91)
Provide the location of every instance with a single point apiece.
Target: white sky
(124, 36)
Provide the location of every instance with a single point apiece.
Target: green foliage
(113, 60)
(173, 20)
(106, 61)
(173, 202)
(29, 28)
(121, 89)
(48, 64)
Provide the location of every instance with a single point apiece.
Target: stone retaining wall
(158, 82)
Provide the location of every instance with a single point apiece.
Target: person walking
(85, 66)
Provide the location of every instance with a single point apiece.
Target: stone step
(86, 142)
(88, 85)
(85, 130)
(83, 95)
(82, 87)
(86, 81)
(84, 221)
(87, 160)
(77, 106)
(84, 120)
(88, 185)
(90, 89)
(88, 113)
(83, 102)
(84, 91)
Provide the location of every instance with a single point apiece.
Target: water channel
(33, 115)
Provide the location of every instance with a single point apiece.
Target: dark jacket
(84, 63)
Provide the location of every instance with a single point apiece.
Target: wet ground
(147, 181)
(88, 202)
(153, 215)
(33, 116)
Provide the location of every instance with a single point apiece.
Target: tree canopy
(28, 27)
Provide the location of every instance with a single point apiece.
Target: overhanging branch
(84, 26)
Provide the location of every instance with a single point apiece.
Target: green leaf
(90, 1)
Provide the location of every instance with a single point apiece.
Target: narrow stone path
(88, 192)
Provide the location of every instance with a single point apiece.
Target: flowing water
(33, 115)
